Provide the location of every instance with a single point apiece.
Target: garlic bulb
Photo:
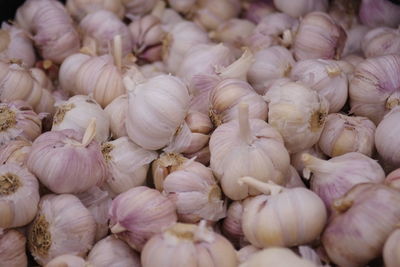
(15, 44)
(374, 88)
(375, 13)
(138, 7)
(18, 120)
(77, 112)
(156, 109)
(12, 249)
(332, 179)
(226, 97)
(103, 26)
(195, 193)
(234, 31)
(300, 8)
(19, 196)
(324, 76)
(298, 113)
(55, 152)
(247, 147)
(246, 252)
(80, 8)
(111, 251)
(391, 255)
(304, 213)
(117, 110)
(319, 36)
(52, 28)
(139, 213)
(272, 63)
(127, 164)
(182, 6)
(381, 41)
(192, 245)
(15, 151)
(62, 226)
(355, 36)
(296, 158)
(66, 261)
(364, 219)
(255, 11)
(231, 226)
(275, 256)
(343, 134)
(393, 179)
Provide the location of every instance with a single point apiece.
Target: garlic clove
(12, 249)
(141, 7)
(381, 41)
(392, 179)
(300, 8)
(16, 151)
(67, 261)
(80, 8)
(202, 156)
(117, 110)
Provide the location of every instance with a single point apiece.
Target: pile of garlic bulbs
(226, 133)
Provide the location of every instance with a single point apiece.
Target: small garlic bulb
(138, 7)
(298, 113)
(332, 179)
(304, 212)
(127, 164)
(234, 31)
(381, 41)
(192, 245)
(343, 134)
(111, 251)
(19, 196)
(296, 158)
(77, 112)
(117, 111)
(247, 147)
(300, 8)
(139, 213)
(319, 36)
(12, 249)
(66, 261)
(324, 76)
(364, 219)
(391, 255)
(62, 226)
(80, 8)
(355, 36)
(270, 64)
(16, 151)
(375, 13)
(231, 226)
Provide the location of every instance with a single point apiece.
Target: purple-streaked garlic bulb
(391, 255)
(332, 179)
(375, 87)
(67, 260)
(297, 162)
(138, 7)
(234, 31)
(231, 226)
(16, 151)
(80, 8)
(300, 8)
(53, 30)
(247, 147)
(355, 36)
(12, 249)
(62, 226)
(57, 151)
(139, 213)
(127, 164)
(117, 111)
(343, 134)
(191, 245)
(195, 193)
(375, 13)
(381, 41)
(19, 196)
(363, 220)
(393, 179)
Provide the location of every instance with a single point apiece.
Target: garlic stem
(239, 68)
(315, 164)
(202, 233)
(333, 71)
(90, 133)
(118, 228)
(393, 100)
(244, 123)
(266, 188)
(117, 51)
(158, 9)
(342, 204)
(287, 38)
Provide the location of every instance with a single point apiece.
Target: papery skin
(381, 41)
(71, 228)
(12, 249)
(210, 14)
(356, 235)
(391, 253)
(300, 8)
(375, 13)
(80, 8)
(16, 151)
(67, 261)
(139, 213)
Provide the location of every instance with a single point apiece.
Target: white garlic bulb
(298, 113)
(375, 13)
(111, 251)
(296, 158)
(231, 226)
(343, 134)
(12, 249)
(324, 76)
(381, 41)
(80, 8)
(138, 7)
(62, 226)
(300, 8)
(355, 36)
(247, 147)
(117, 111)
(77, 112)
(192, 245)
(127, 164)
(234, 31)
(66, 261)
(19, 196)
(15, 151)
(391, 255)
(304, 212)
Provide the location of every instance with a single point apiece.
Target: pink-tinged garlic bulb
(393, 179)
(138, 7)
(103, 26)
(18, 121)
(16, 151)
(19, 196)
(246, 252)
(15, 44)
(300, 8)
(294, 179)
(364, 219)
(255, 11)
(298, 113)
(52, 28)
(319, 36)
(355, 36)
(231, 226)
(381, 41)
(77, 113)
(375, 13)
(324, 76)
(270, 64)
(117, 111)
(195, 193)
(343, 134)
(391, 250)
(111, 251)
(247, 147)
(297, 162)
(234, 31)
(304, 212)
(332, 179)
(67, 261)
(127, 164)
(68, 71)
(80, 8)
(12, 249)
(191, 245)
(57, 151)
(62, 226)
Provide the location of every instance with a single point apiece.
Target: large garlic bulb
(80, 8)
(381, 41)
(117, 111)
(16, 151)
(300, 8)
(247, 147)
(12, 249)
(391, 255)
